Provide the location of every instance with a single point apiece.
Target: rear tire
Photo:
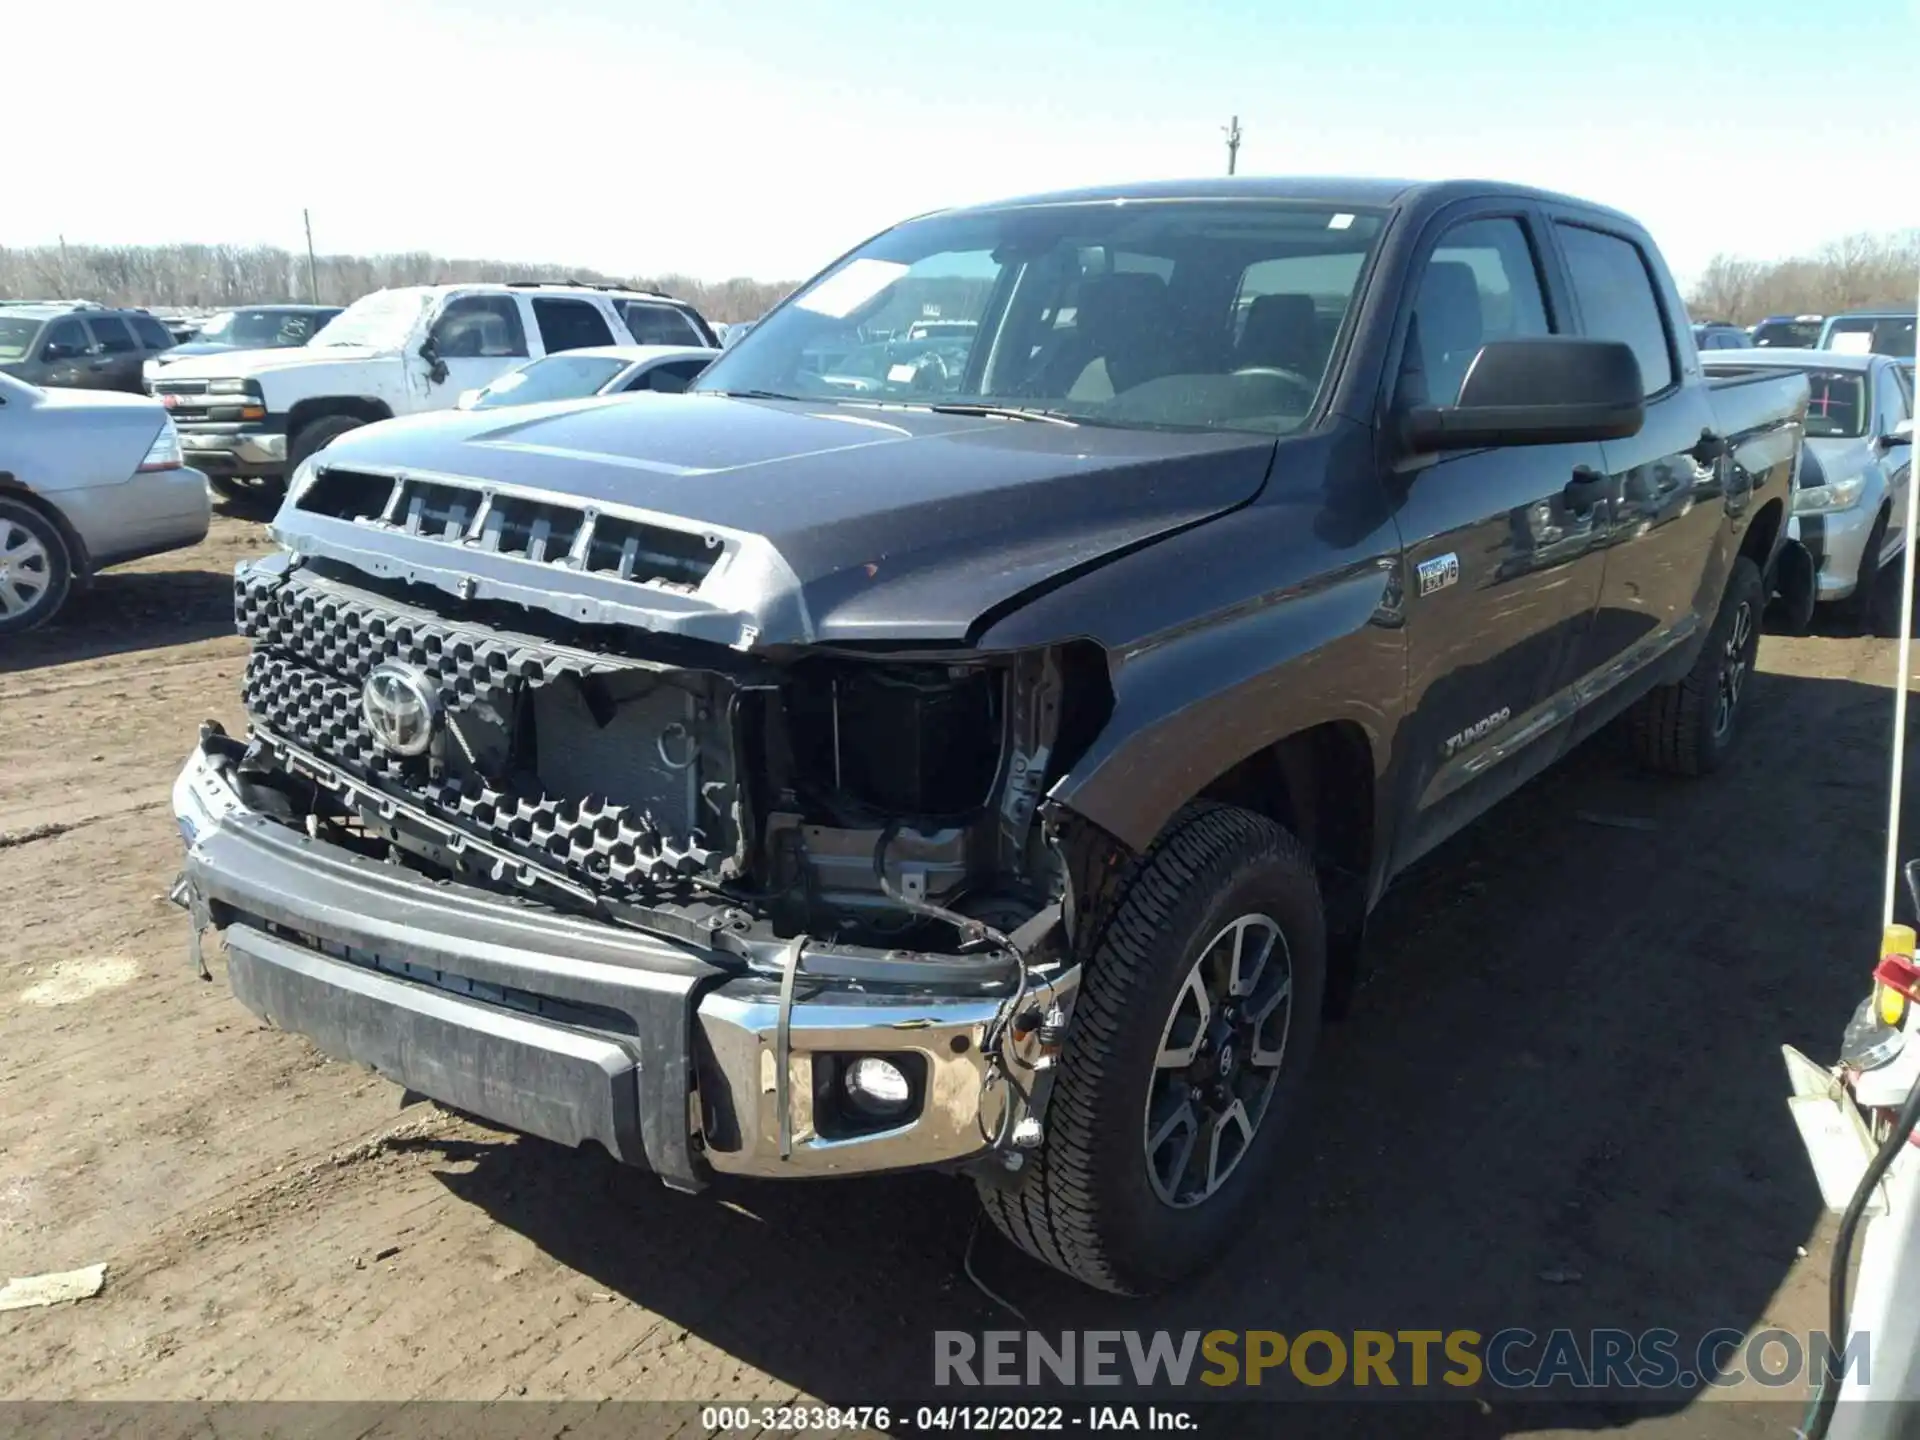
(1688, 727)
(36, 568)
(1177, 1035)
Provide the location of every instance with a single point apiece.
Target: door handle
(1709, 448)
(96, 364)
(1587, 488)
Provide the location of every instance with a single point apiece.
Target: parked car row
(1876, 332)
(250, 417)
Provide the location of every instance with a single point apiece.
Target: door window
(569, 324)
(1618, 300)
(1481, 283)
(65, 341)
(111, 332)
(672, 377)
(474, 327)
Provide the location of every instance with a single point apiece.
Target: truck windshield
(382, 320)
(16, 336)
(260, 329)
(1156, 313)
(1788, 334)
(1872, 334)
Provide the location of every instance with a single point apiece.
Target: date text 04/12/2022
(946, 1419)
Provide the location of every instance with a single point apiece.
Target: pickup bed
(989, 766)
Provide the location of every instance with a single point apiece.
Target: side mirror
(1545, 390)
(1901, 434)
(436, 367)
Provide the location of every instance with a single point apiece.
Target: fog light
(877, 1087)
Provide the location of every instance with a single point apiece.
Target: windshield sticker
(1341, 221)
(1851, 342)
(902, 373)
(843, 292)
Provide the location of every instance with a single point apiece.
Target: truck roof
(1370, 192)
(1780, 357)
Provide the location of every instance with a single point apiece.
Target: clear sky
(763, 137)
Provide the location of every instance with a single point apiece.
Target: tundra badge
(1438, 573)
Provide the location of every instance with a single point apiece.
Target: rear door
(569, 324)
(1666, 565)
(117, 355)
(1503, 567)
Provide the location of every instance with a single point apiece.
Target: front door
(475, 338)
(1503, 558)
(66, 353)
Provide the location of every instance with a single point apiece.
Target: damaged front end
(789, 911)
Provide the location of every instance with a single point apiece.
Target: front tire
(1198, 1015)
(316, 435)
(36, 568)
(1688, 727)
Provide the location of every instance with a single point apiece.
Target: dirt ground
(1567, 1065)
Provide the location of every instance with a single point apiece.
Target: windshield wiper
(746, 394)
(1003, 412)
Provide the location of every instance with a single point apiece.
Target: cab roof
(1364, 192)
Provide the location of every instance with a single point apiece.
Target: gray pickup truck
(990, 770)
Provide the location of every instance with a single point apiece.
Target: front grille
(179, 387)
(548, 532)
(601, 769)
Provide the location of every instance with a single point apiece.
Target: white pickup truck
(248, 418)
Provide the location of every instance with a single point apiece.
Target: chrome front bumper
(665, 1054)
(235, 445)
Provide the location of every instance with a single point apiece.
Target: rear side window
(672, 377)
(1480, 284)
(153, 335)
(660, 325)
(569, 324)
(111, 332)
(1617, 299)
(475, 327)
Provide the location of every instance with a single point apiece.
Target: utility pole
(313, 282)
(1233, 144)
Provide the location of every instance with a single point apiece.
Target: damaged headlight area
(874, 805)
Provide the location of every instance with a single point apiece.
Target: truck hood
(238, 364)
(851, 522)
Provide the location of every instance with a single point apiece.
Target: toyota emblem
(402, 707)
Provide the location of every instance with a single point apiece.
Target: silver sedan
(88, 478)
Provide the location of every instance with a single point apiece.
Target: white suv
(248, 418)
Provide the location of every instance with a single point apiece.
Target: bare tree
(1855, 272)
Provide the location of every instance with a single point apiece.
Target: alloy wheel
(1736, 662)
(1218, 1061)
